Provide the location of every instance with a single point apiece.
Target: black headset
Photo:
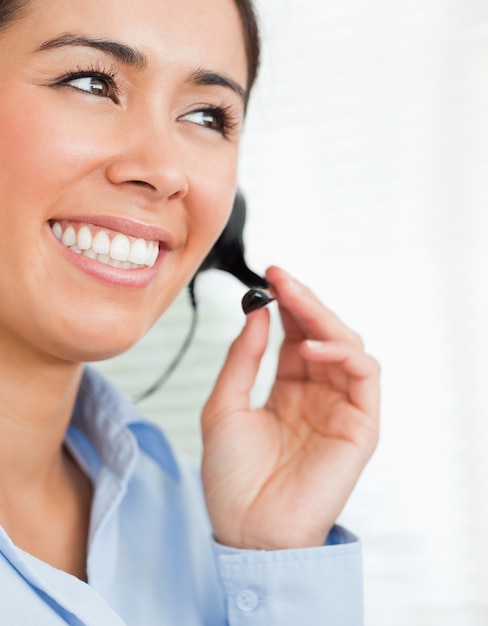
(227, 255)
(228, 251)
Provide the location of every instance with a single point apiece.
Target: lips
(107, 246)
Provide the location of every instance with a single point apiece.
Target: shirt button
(247, 600)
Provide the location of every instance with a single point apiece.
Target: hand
(278, 476)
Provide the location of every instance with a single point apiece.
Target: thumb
(236, 379)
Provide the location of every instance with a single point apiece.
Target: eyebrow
(205, 77)
(124, 54)
(135, 58)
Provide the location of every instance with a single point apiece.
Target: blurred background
(365, 166)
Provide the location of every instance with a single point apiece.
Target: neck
(45, 498)
(37, 394)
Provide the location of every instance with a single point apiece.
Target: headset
(227, 255)
(228, 251)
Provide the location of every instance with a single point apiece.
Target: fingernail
(314, 344)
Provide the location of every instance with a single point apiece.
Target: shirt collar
(109, 421)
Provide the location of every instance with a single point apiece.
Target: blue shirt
(151, 557)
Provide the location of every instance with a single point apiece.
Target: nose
(148, 157)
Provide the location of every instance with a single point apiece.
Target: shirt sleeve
(306, 587)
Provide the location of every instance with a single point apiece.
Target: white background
(365, 165)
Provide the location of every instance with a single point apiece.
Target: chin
(97, 340)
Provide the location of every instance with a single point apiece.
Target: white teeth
(152, 253)
(138, 252)
(101, 243)
(69, 237)
(57, 230)
(149, 254)
(118, 252)
(85, 238)
(154, 256)
(120, 248)
(104, 258)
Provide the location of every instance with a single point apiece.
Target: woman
(120, 132)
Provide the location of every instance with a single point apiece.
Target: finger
(361, 370)
(304, 315)
(240, 368)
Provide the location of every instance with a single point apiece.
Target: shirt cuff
(284, 587)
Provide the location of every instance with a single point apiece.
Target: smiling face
(120, 128)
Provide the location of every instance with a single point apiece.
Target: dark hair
(251, 38)
(11, 10)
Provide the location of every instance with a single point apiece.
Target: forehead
(191, 32)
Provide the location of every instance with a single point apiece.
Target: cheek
(213, 188)
(209, 217)
(43, 147)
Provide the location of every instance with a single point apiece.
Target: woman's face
(120, 125)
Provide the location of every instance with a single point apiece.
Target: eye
(91, 84)
(219, 119)
(97, 84)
